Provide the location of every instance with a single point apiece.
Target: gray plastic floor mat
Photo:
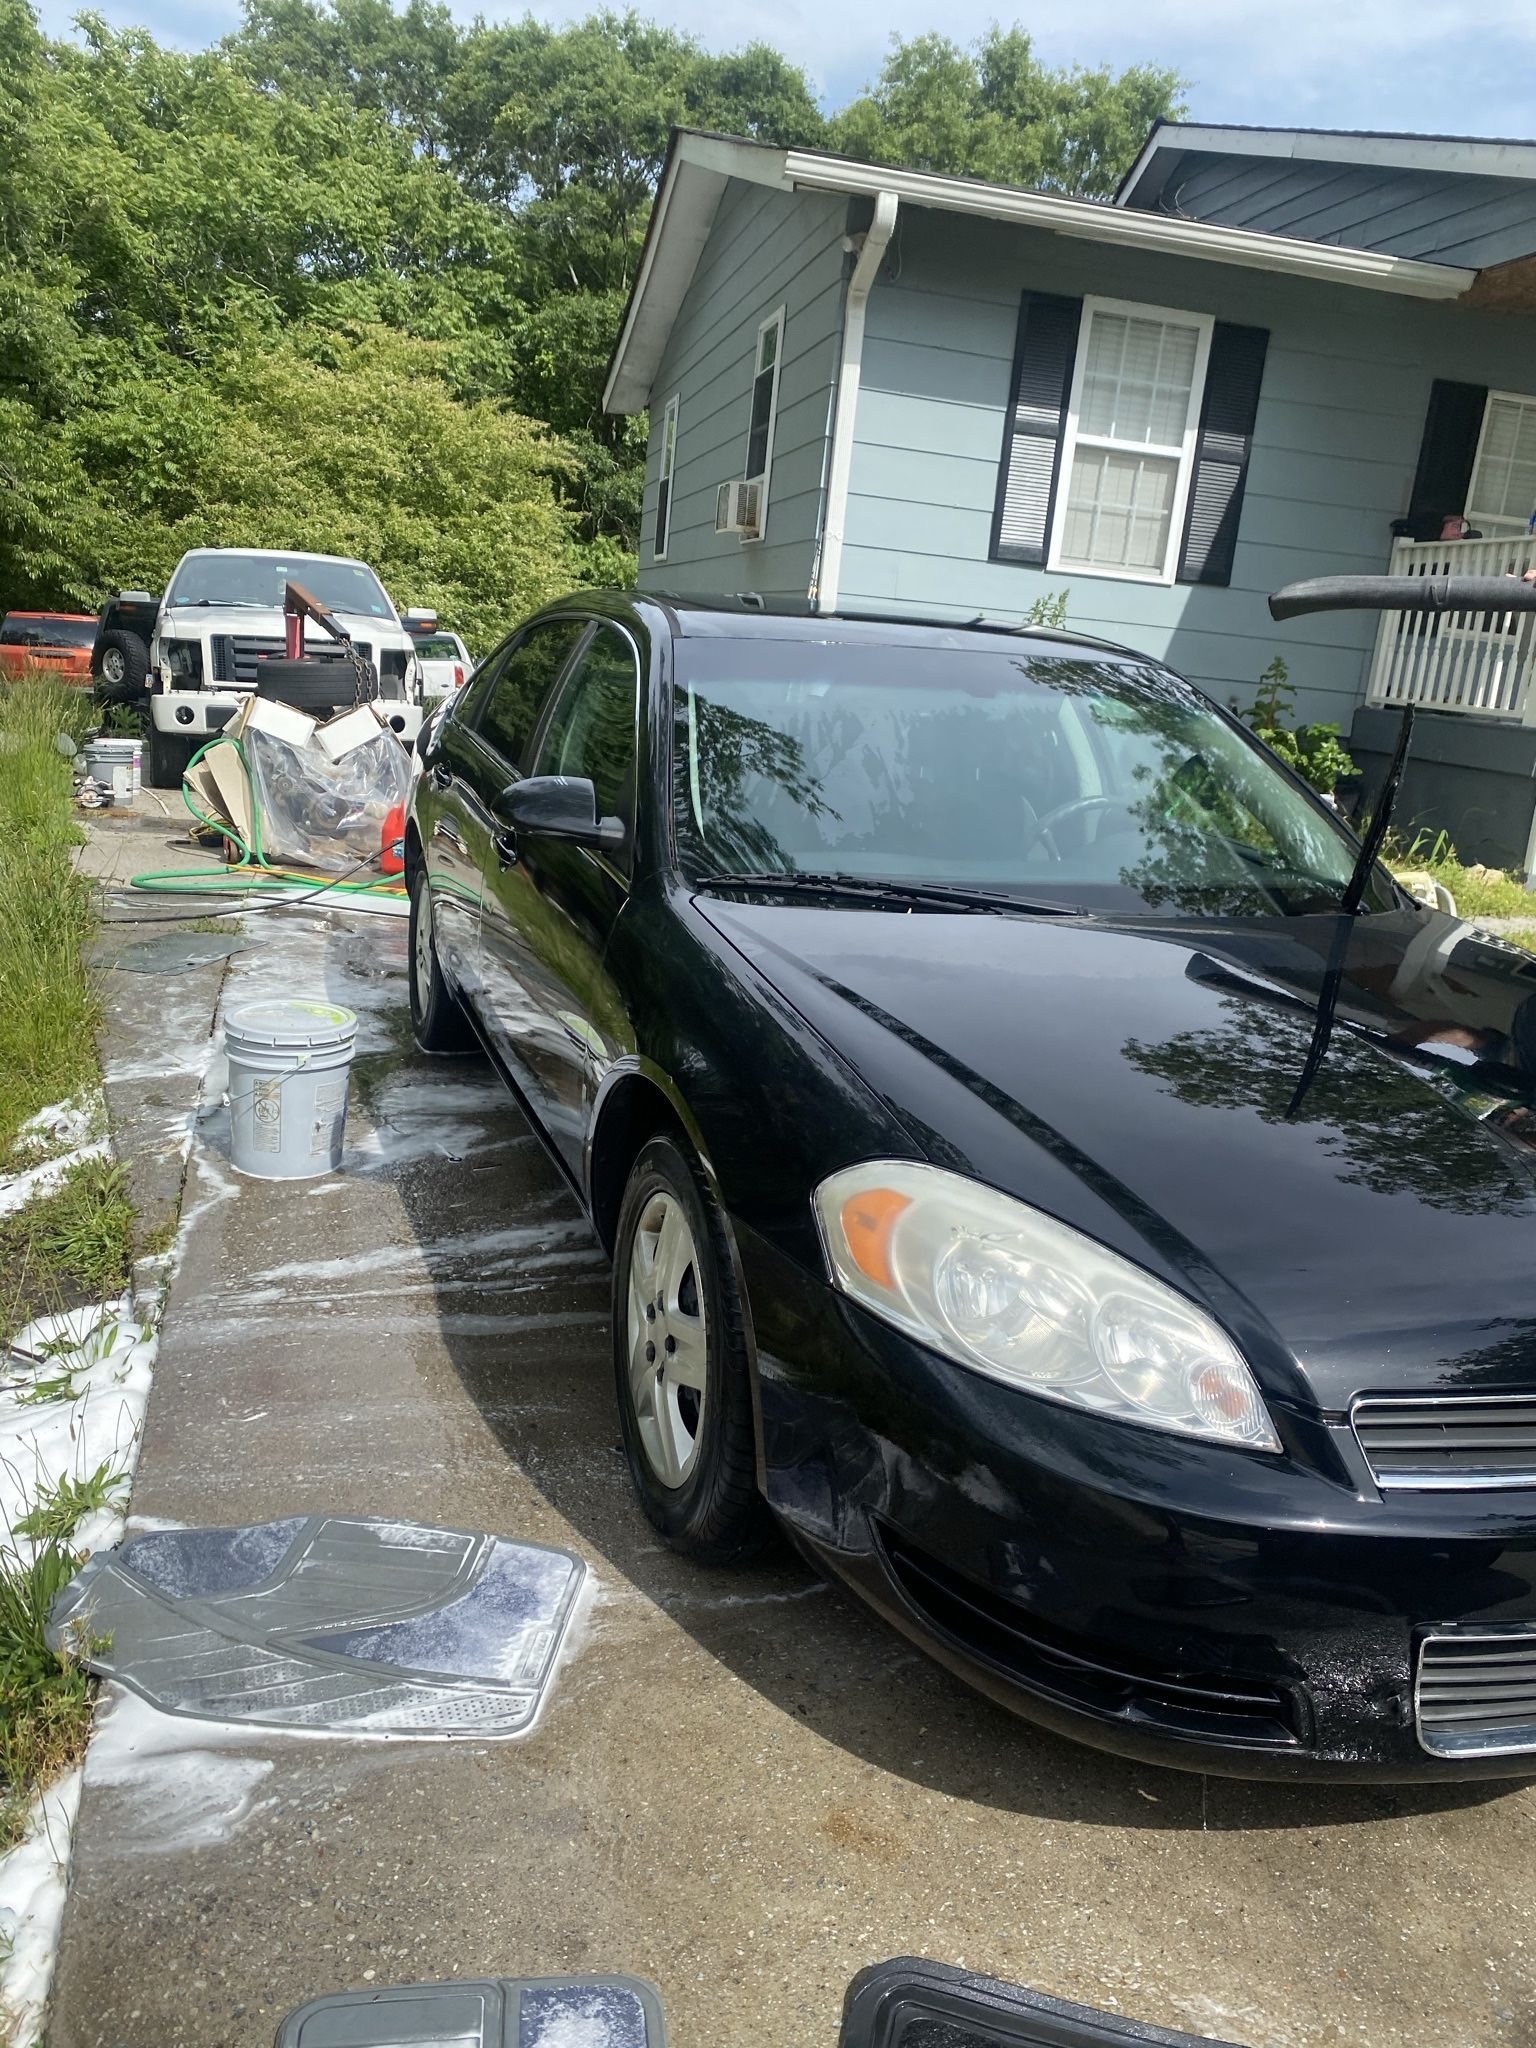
(339, 1623)
(492, 2012)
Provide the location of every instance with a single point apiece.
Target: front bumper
(200, 714)
(1245, 1614)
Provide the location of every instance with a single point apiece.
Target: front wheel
(437, 1016)
(680, 1362)
(169, 757)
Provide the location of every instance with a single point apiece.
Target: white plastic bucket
(289, 1069)
(115, 765)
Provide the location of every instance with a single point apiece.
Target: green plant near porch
(1315, 751)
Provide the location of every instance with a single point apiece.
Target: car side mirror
(557, 807)
(420, 619)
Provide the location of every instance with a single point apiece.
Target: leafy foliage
(995, 111)
(1315, 751)
(351, 279)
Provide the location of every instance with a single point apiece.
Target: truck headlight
(182, 660)
(1004, 1289)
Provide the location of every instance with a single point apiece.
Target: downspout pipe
(876, 240)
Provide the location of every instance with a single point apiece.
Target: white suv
(223, 614)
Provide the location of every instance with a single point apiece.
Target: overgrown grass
(1479, 891)
(48, 1006)
(45, 1699)
(76, 1241)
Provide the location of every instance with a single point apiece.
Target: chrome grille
(1455, 1441)
(1476, 1692)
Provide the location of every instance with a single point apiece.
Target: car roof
(749, 618)
(281, 555)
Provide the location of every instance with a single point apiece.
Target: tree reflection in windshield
(1099, 782)
(1391, 1132)
(731, 751)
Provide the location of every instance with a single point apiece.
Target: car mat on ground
(909, 2003)
(500, 2012)
(175, 953)
(334, 1623)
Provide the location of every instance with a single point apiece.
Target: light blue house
(1275, 355)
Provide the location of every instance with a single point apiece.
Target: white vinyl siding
(1130, 440)
(1502, 495)
(665, 472)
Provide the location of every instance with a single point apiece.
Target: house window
(765, 404)
(1132, 424)
(664, 482)
(1502, 495)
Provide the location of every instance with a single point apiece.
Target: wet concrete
(745, 1789)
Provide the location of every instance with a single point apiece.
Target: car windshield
(1096, 782)
(260, 580)
(439, 648)
(47, 632)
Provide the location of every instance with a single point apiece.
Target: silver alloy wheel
(114, 664)
(421, 958)
(667, 1346)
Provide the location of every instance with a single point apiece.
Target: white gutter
(835, 517)
(1085, 220)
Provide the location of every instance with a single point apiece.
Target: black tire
(714, 1513)
(122, 669)
(168, 757)
(318, 687)
(437, 1016)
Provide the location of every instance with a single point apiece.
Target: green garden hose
(250, 874)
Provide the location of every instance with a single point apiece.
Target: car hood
(192, 620)
(1137, 1081)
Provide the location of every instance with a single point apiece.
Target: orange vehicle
(58, 641)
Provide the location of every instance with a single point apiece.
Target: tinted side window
(467, 702)
(526, 678)
(592, 730)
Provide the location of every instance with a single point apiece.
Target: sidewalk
(745, 1789)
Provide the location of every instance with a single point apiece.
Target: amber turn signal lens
(868, 1220)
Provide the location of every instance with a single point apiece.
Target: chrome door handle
(506, 849)
(439, 776)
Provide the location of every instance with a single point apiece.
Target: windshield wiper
(904, 894)
(223, 604)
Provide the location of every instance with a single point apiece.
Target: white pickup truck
(222, 615)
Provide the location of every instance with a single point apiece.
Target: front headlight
(1008, 1291)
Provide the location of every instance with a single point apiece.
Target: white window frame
(774, 322)
(666, 473)
(1487, 520)
(1203, 323)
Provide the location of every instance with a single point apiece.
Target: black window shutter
(1441, 481)
(1037, 417)
(1227, 413)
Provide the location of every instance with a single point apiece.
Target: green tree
(995, 111)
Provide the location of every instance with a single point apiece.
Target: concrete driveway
(746, 1789)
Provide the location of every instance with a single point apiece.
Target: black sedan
(935, 1024)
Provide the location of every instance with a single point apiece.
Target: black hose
(1403, 594)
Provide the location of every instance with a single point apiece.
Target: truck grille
(235, 655)
(1457, 1441)
(1476, 1694)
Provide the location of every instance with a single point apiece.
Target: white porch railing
(1483, 663)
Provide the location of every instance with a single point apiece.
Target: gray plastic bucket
(115, 764)
(289, 1066)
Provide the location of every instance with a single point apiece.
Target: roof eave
(698, 168)
(1087, 220)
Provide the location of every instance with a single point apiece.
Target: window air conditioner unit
(736, 508)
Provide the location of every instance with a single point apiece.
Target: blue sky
(1440, 66)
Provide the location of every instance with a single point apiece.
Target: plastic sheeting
(324, 812)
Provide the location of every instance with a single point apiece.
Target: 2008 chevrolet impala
(929, 1019)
